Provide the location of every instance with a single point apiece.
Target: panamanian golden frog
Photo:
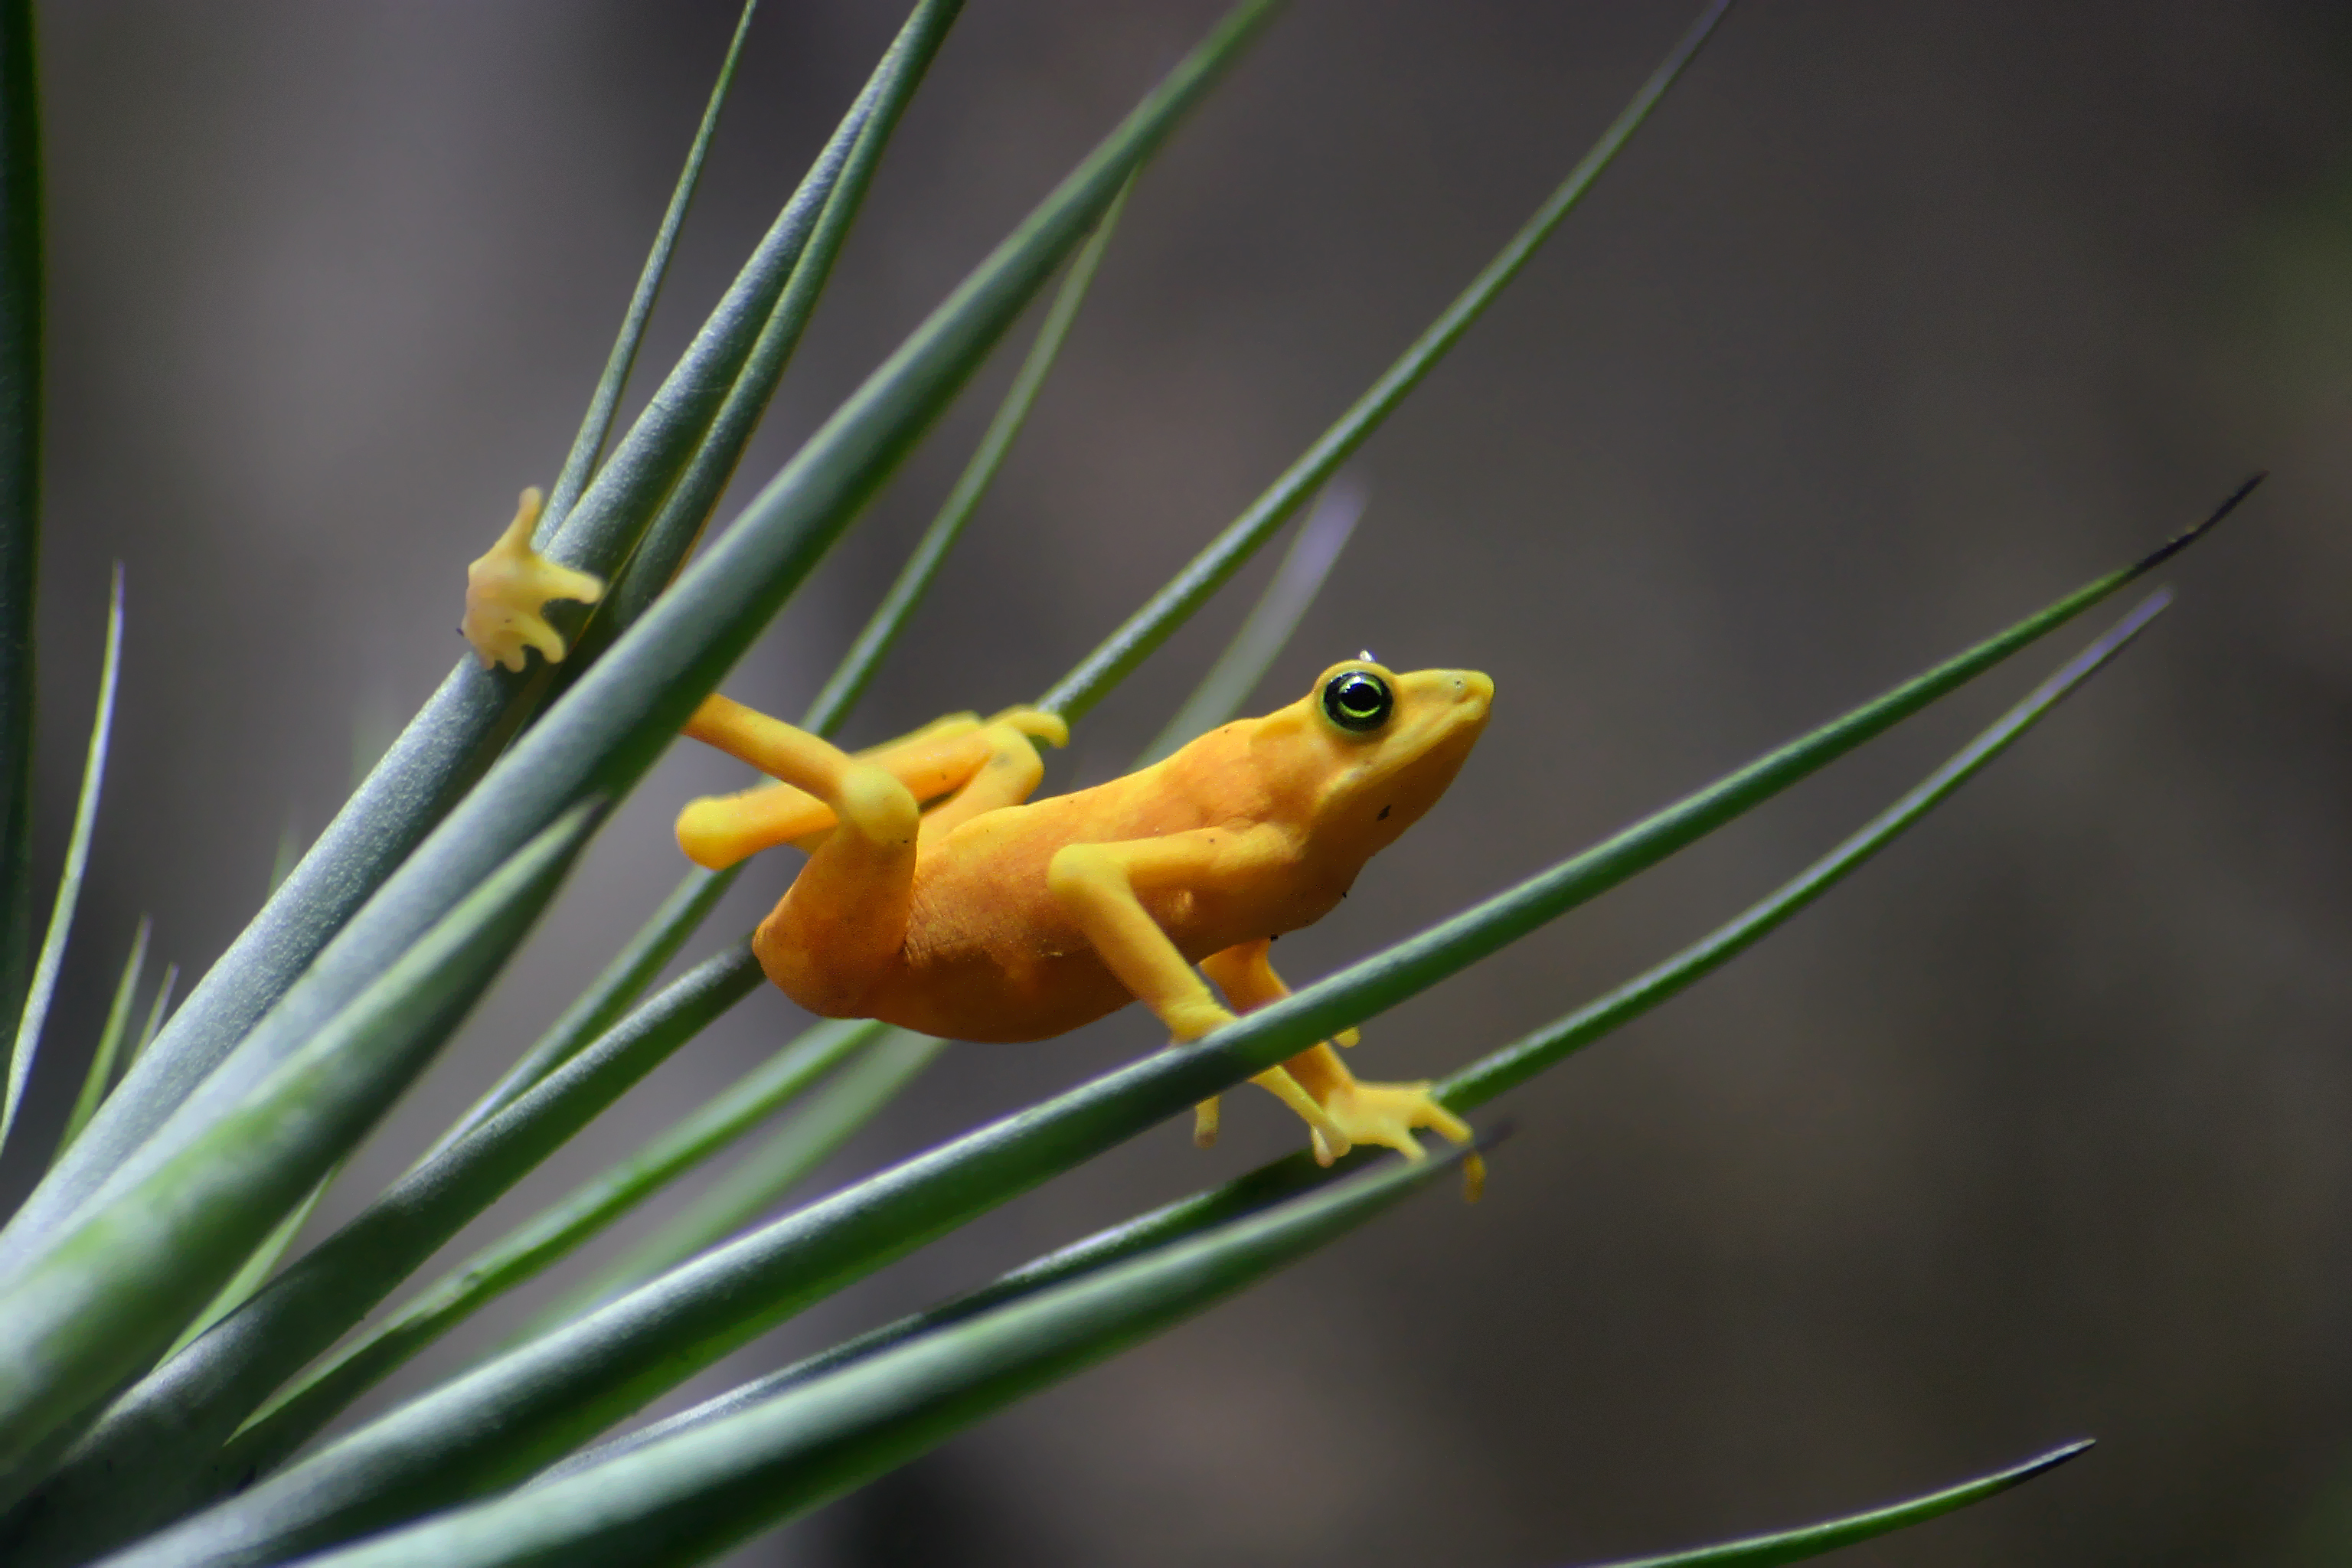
(991, 917)
(994, 918)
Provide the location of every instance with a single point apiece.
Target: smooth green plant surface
(168, 1358)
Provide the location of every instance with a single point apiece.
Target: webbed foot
(507, 588)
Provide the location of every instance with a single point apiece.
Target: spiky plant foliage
(167, 1369)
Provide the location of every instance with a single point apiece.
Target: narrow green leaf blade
(1173, 605)
(688, 1498)
(99, 1304)
(444, 751)
(158, 1451)
(609, 728)
(1814, 1540)
(22, 312)
(53, 944)
(100, 1075)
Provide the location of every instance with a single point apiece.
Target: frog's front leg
(1100, 884)
(1383, 1113)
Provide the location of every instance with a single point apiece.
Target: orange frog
(988, 918)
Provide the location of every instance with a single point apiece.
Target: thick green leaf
(98, 1308)
(61, 913)
(529, 1406)
(1474, 1085)
(850, 1099)
(157, 1451)
(21, 317)
(1267, 629)
(1814, 1540)
(447, 747)
(101, 1074)
(687, 1498)
(1158, 620)
(604, 403)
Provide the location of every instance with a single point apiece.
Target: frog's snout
(1471, 690)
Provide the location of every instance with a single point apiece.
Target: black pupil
(1356, 701)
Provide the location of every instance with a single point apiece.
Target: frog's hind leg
(839, 929)
(1383, 1113)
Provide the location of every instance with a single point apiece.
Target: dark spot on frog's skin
(1383, 816)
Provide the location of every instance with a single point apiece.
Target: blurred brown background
(1897, 322)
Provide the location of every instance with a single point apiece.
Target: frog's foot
(1386, 1113)
(508, 589)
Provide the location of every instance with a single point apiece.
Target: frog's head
(1374, 749)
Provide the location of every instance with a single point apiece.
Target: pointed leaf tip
(2174, 546)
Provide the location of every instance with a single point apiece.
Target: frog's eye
(1357, 700)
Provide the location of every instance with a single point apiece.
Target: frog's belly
(1008, 967)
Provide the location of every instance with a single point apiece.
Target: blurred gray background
(1898, 322)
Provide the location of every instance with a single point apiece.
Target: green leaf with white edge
(158, 1450)
(536, 1245)
(1814, 1540)
(1151, 626)
(850, 1099)
(22, 313)
(604, 403)
(913, 580)
(444, 751)
(101, 1074)
(1270, 622)
(96, 1308)
(61, 913)
(1475, 1084)
(536, 1401)
(690, 1498)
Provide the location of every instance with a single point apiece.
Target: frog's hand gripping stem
(507, 590)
